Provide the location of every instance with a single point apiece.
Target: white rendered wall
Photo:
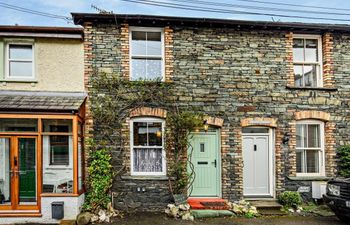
(72, 207)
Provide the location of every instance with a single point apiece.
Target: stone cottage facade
(275, 96)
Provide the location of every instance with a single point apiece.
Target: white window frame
(321, 162)
(147, 29)
(319, 70)
(8, 60)
(132, 146)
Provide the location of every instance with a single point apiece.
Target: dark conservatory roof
(152, 20)
(27, 101)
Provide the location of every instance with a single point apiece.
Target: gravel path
(161, 219)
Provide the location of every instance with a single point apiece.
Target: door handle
(14, 172)
(255, 148)
(22, 172)
(214, 163)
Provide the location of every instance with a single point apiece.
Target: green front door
(205, 160)
(18, 164)
(27, 169)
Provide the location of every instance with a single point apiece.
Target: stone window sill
(316, 178)
(312, 88)
(147, 178)
(18, 81)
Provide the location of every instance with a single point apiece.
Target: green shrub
(344, 160)
(290, 199)
(100, 178)
(249, 215)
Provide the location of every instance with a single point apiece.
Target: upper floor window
(307, 59)
(146, 53)
(147, 147)
(310, 147)
(20, 58)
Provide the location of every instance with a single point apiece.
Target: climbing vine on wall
(344, 160)
(182, 123)
(100, 177)
(111, 100)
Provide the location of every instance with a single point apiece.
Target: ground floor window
(310, 147)
(57, 156)
(147, 146)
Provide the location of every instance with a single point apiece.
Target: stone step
(207, 213)
(266, 204)
(268, 207)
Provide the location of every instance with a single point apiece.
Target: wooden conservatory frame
(14, 209)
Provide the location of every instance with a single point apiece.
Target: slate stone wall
(234, 75)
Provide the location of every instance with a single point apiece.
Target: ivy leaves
(344, 160)
(112, 97)
(100, 178)
(181, 124)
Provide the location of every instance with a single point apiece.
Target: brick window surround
(134, 113)
(327, 60)
(329, 140)
(168, 52)
(148, 112)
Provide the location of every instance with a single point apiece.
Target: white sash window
(310, 148)
(146, 53)
(147, 147)
(307, 59)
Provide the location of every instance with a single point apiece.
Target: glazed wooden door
(18, 173)
(27, 169)
(6, 179)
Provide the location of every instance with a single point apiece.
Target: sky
(65, 7)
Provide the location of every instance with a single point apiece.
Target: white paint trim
(7, 61)
(272, 159)
(322, 148)
(320, 55)
(131, 132)
(147, 29)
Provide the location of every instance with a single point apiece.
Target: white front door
(257, 165)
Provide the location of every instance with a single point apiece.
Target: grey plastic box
(57, 209)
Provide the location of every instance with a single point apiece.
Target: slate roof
(154, 20)
(41, 101)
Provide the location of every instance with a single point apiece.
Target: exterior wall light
(206, 126)
(285, 138)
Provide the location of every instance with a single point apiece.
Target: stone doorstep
(268, 207)
(266, 204)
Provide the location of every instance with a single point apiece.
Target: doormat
(215, 205)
